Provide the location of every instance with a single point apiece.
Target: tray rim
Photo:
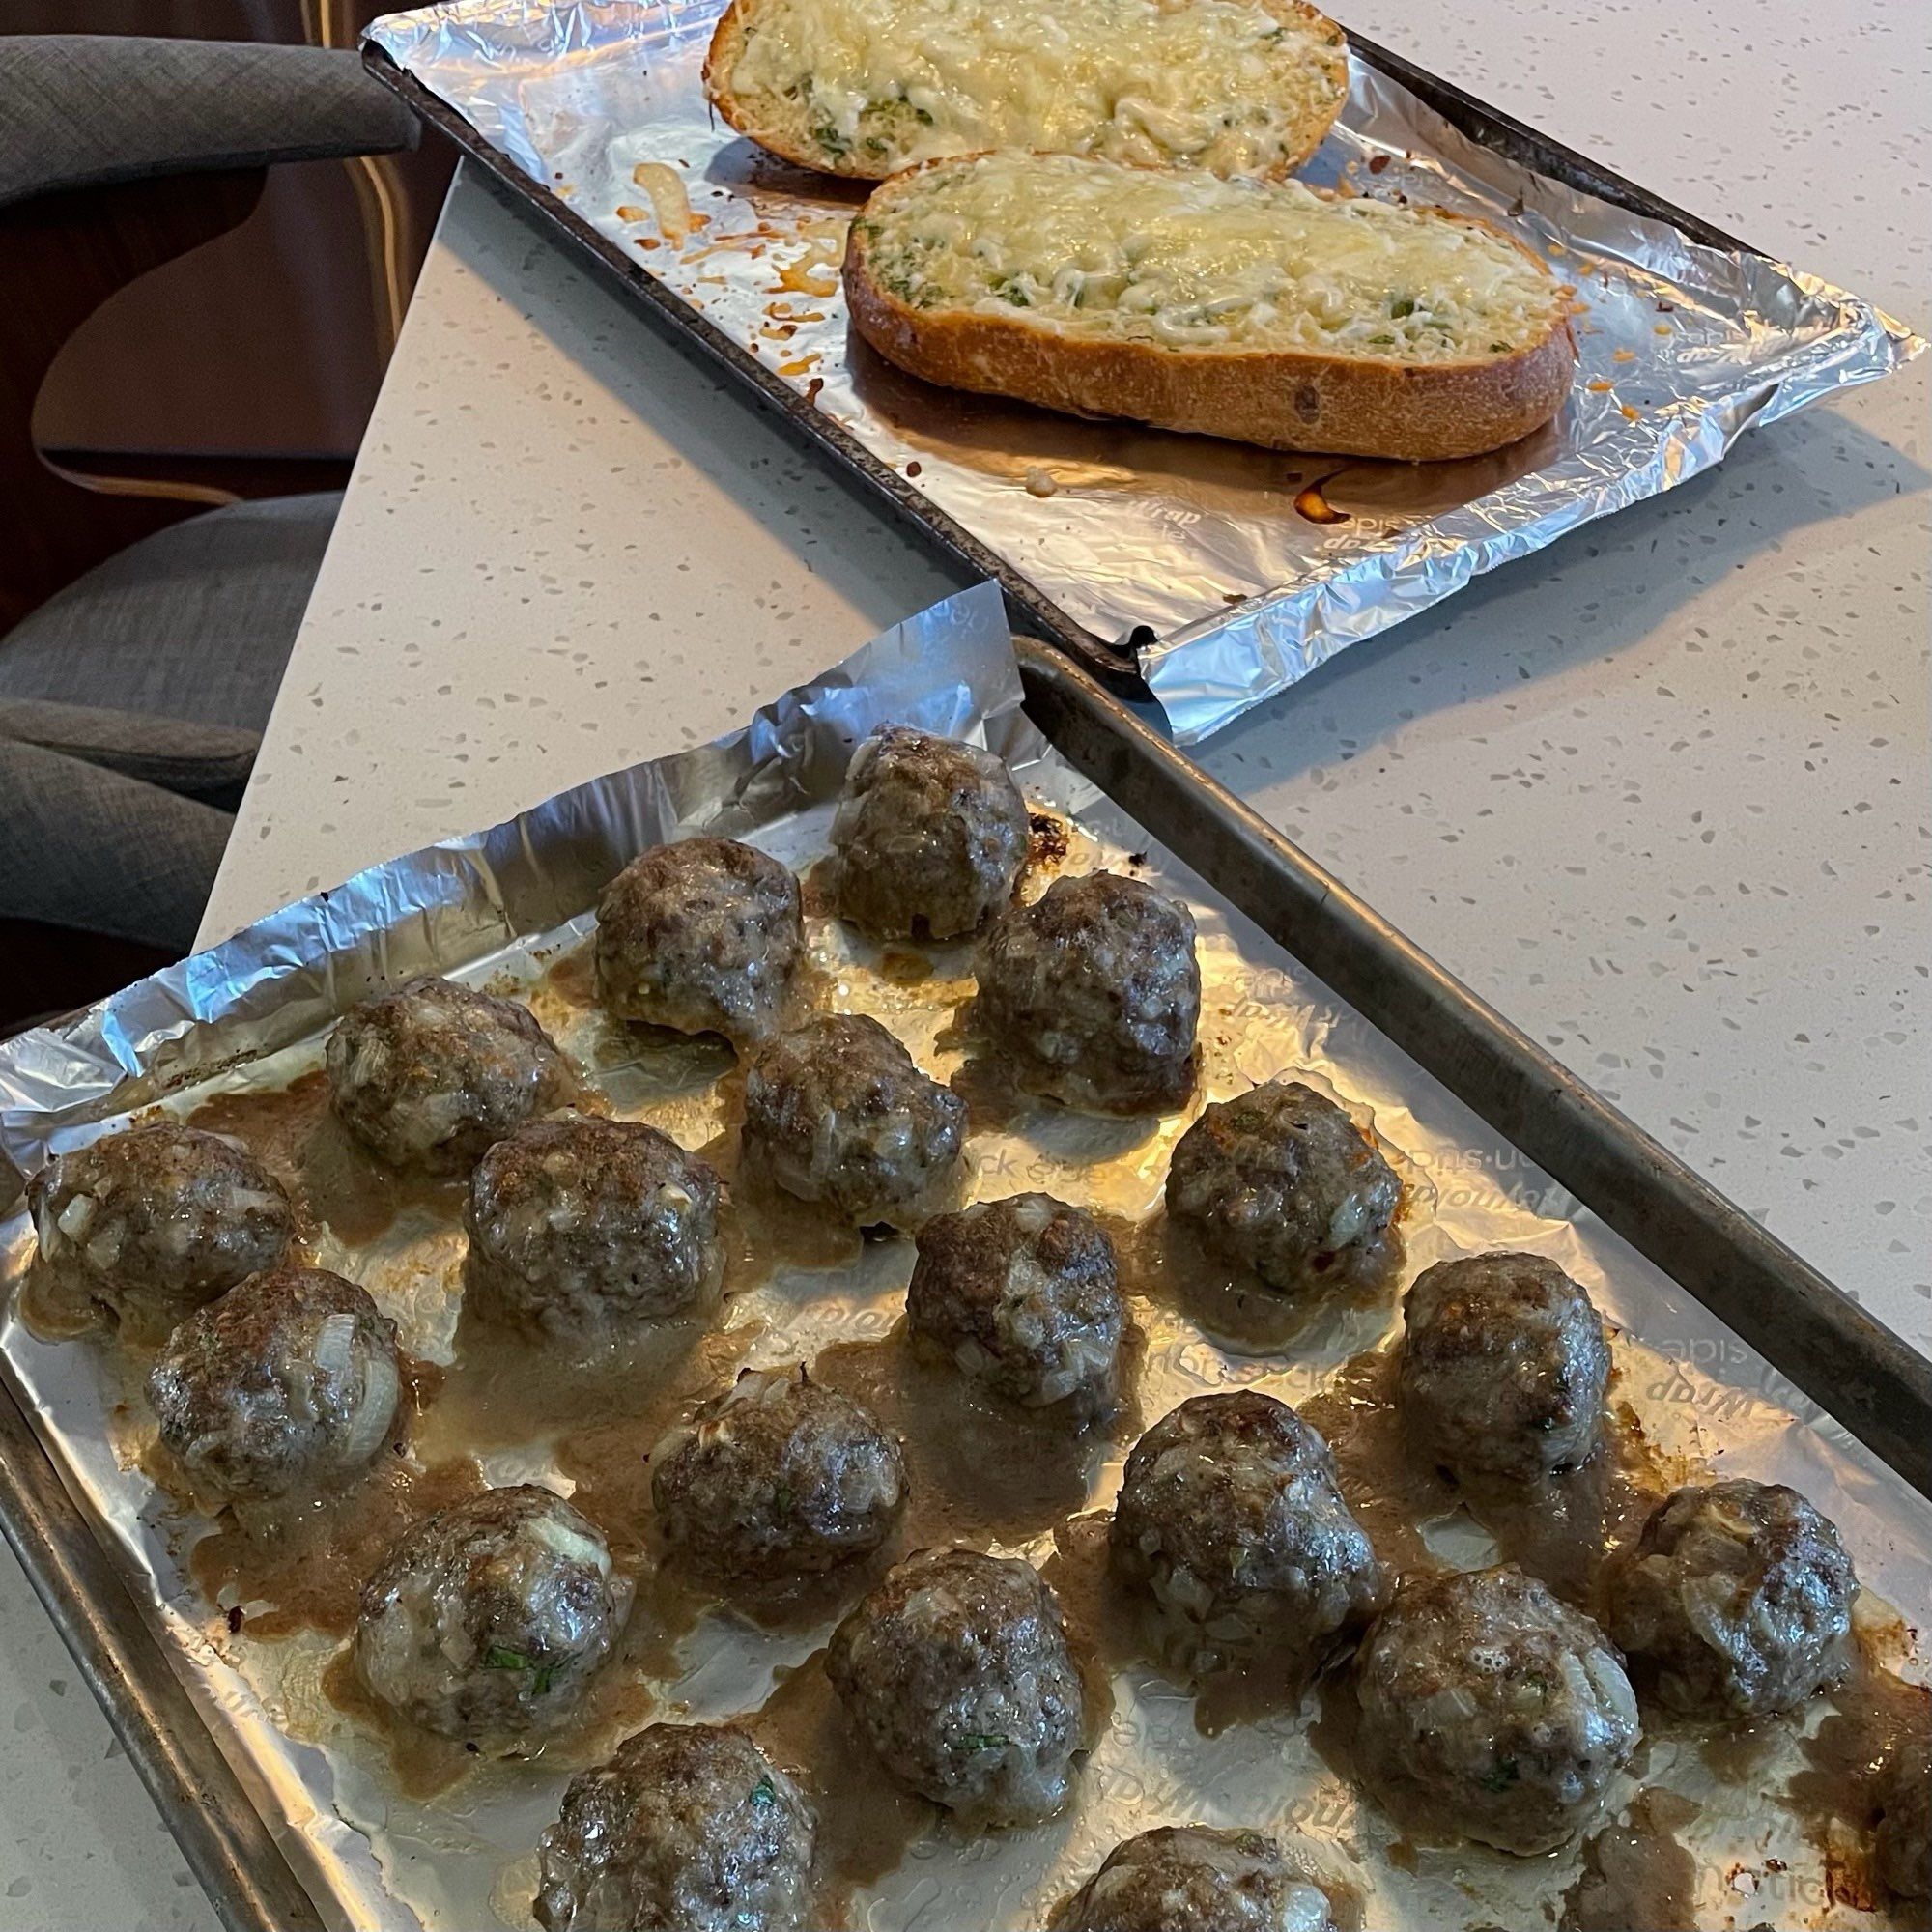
(1115, 664)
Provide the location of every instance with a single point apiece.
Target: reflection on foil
(1192, 541)
(505, 908)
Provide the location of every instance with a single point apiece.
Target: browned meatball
(1282, 1182)
(486, 1620)
(702, 935)
(1904, 1839)
(1191, 1878)
(836, 1111)
(282, 1389)
(956, 1671)
(1231, 1517)
(688, 1827)
(1737, 1596)
(153, 1221)
(929, 835)
(1503, 1367)
(1492, 1708)
(580, 1225)
(777, 1477)
(1024, 1296)
(1093, 995)
(428, 1076)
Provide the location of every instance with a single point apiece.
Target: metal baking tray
(1877, 1386)
(1205, 572)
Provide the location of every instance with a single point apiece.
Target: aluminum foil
(1195, 543)
(505, 906)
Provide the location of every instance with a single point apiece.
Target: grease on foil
(436, 1843)
(1196, 543)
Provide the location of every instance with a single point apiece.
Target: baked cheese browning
(868, 87)
(1090, 251)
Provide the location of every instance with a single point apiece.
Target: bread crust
(1280, 398)
(728, 43)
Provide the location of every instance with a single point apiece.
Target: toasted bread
(1266, 313)
(865, 88)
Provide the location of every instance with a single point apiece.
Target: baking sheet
(1191, 548)
(508, 906)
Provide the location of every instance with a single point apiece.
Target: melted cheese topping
(875, 85)
(1081, 247)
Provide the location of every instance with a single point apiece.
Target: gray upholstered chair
(132, 697)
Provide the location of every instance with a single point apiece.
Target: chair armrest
(80, 110)
(208, 762)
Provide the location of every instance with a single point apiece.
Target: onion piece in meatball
(688, 1827)
(1503, 1368)
(1024, 1296)
(1192, 1878)
(487, 1620)
(929, 836)
(1282, 1182)
(1492, 1709)
(704, 936)
(1231, 1517)
(1092, 996)
(955, 1673)
(581, 1226)
(1736, 1599)
(837, 1112)
(152, 1222)
(777, 1477)
(430, 1075)
(283, 1388)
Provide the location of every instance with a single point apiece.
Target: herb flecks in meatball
(1093, 996)
(1736, 1599)
(1282, 1182)
(837, 1112)
(703, 936)
(1231, 1517)
(955, 1673)
(1503, 1368)
(687, 1827)
(1191, 1878)
(777, 1477)
(282, 1389)
(1024, 1296)
(582, 1225)
(929, 836)
(1492, 1709)
(487, 1620)
(430, 1075)
(152, 1222)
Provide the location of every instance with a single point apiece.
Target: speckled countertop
(1660, 793)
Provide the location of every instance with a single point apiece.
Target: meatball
(688, 1827)
(1498, 1711)
(577, 1224)
(1904, 1839)
(282, 1389)
(929, 835)
(1191, 1878)
(1736, 1598)
(1503, 1367)
(1231, 1516)
(1024, 1296)
(956, 1671)
(777, 1477)
(1093, 995)
(154, 1220)
(428, 1076)
(486, 1619)
(704, 936)
(1281, 1181)
(836, 1111)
